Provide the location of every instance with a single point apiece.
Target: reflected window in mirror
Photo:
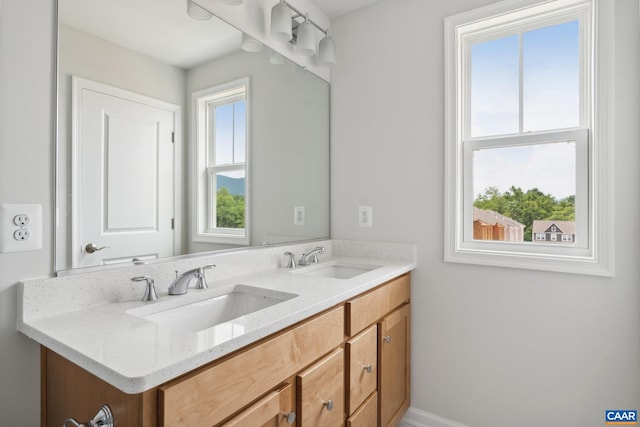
(222, 141)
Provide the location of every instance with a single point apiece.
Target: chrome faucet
(311, 257)
(180, 284)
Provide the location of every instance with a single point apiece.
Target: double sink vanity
(263, 345)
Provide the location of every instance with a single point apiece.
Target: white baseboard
(419, 418)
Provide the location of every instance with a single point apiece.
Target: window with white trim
(222, 163)
(523, 142)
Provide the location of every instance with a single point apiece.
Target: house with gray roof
(554, 231)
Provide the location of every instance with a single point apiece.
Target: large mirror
(173, 139)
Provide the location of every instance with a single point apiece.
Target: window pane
(230, 199)
(495, 87)
(240, 139)
(223, 134)
(523, 192)
(551, 95)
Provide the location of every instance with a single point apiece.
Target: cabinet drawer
(362, 362)
(366, 415)
(321, 392)
(212, 394)
(368, 308)
(270, 409)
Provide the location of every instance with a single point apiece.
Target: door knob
(91, 248)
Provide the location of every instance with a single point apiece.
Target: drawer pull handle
(328, 404)
(387, 339)
(290, 417)
(368, 368)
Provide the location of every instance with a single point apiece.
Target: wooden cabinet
(311, 368)
(321, 392)
(394, 366)
(380, 318)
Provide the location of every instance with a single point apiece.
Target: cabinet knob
(290, 417)
(387, 339)
(328, 404)
(368, 368)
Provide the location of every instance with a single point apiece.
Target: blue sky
(550, 66)
(230, 133)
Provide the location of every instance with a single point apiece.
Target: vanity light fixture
(281, 22)
(198, 12)
(285, 27)
(306, 38)
(327, 50)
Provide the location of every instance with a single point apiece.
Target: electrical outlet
(21, 220)
(365, 216)
(22, 234)
(20, 227)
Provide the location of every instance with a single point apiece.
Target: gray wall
(26, 176)
(492, 347)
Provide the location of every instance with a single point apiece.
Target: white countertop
(115, 343)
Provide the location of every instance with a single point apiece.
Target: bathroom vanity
(333, 351)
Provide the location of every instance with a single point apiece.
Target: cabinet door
(362, 362)
(275, 409)
(321, 392)
(394, 366)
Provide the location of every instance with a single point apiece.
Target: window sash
(583, 242)
(467, 37)
(212, 205)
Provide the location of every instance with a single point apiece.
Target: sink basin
(240, 301)
(338, 270)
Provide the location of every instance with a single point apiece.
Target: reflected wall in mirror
(128, 160)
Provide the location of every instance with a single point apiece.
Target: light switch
(365, 216)
(298, 215)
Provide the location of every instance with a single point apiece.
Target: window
(523, 140)
(221, 132)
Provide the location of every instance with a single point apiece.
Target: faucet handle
(150, 292)
(201, 280)
(291, 263)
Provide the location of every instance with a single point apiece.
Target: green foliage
(525, 207)
(229, 209)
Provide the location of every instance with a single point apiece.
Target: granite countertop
(114, 342)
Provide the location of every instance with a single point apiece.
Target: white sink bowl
(198, 316)
(337, 270)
